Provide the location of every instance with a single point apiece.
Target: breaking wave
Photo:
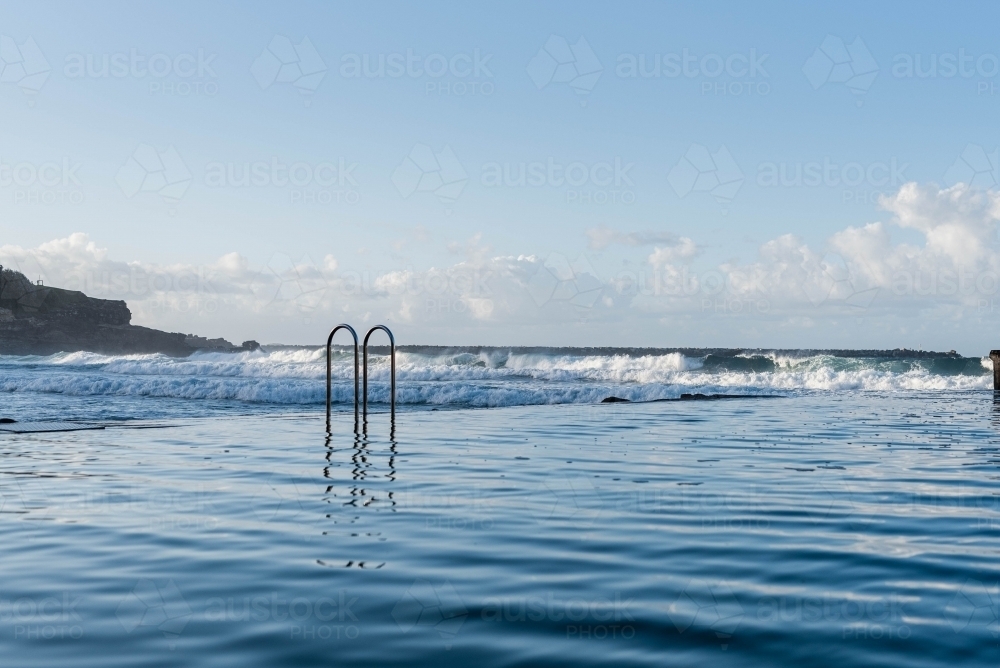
(477, 378)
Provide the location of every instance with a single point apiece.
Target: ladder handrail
(329, 342)
(392, 362)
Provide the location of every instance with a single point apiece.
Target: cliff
(41, 320)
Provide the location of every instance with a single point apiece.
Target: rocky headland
(42, 320)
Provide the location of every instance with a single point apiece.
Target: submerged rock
(615, 400)
(42, 320)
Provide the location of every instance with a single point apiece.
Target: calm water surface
(858, 528)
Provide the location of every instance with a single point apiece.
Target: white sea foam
(484, 379)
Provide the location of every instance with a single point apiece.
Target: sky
(630, 174)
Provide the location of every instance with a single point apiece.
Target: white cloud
(682, 250)
(957, 263)
(473, 248)
(279, 295)
(603, 236)
(959, 223)
(942, 277)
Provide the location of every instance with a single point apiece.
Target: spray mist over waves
(481, 377)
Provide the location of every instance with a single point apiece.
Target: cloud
(473, 248)
(77, 263)
(682, 250)
(603, 236)
(957, 263)
(959, 223)
(285, 291)
(931, 263)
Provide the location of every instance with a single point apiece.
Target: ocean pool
(856, 528)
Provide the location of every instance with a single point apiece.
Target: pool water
(856, 528)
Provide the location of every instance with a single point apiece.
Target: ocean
(284, 378)
(822, 510)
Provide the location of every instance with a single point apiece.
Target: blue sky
(638, 206)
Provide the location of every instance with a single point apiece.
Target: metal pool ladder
(364, 375)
